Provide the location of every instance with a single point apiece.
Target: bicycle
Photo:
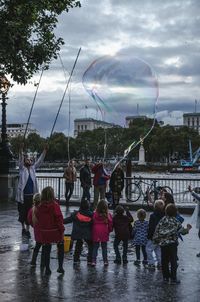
(134, 191)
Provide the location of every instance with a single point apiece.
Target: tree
(34, 142)
(58, 147)
(27, 39)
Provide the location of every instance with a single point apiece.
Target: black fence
(177, 185)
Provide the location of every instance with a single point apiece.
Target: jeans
(137, 249)
(169, 258)
(99, 191)
(78, 249)
(153, 248)
(116, 249)
(86, 193)
(23, 209)
(69, 188)
(95, 251)
(115, 198)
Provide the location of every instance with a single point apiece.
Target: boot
(34, 258)
(35, 253)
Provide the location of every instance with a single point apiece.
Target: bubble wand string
(66, 88)
(69, 112)
(34, 98)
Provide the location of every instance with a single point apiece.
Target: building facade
(192, 120)
(132, 118)
(89, 124)
(14, 130)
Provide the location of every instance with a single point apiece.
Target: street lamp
(5, 152)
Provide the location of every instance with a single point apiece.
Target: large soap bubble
(123, 86)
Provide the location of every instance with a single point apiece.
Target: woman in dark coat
(116, 185)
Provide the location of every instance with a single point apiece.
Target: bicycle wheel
(133, 192)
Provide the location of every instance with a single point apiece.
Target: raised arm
(21, 157)
(40, 160)
(194, 194)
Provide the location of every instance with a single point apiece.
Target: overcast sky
(163, 34)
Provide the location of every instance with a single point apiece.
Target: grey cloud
(172, 29)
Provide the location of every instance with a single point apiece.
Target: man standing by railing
(85, 179)
(116, 185)
(100, 180)
(70, 178)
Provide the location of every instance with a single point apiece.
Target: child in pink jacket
(102, 226)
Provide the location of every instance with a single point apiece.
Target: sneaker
(145, 263)
(116, 261)
(137, 262)
(33, 264)
(125, 261)
(60, 270)
(89, 263)
(151, 266)
(174, 282)
(93, 263)
(105, 263)
(198, 255)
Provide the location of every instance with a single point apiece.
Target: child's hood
(47, 207)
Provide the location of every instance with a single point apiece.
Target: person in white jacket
(27, 187)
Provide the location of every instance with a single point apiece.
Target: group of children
(156, 238)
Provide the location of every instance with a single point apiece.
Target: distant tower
(138, 113)
(141, 154)
(195, 106)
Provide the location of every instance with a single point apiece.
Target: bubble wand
(66, 88)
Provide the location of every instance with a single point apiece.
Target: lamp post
(5, 152)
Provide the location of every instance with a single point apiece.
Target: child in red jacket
(48, 227)
(102, 226)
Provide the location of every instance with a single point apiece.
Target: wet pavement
(20, 283)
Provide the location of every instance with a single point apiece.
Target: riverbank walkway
(20, 283)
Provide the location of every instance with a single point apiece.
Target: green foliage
(27, 39)
(160, 146)
(57, 147)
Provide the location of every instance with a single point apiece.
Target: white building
(132, 118)
(192, 120)
(14, 130)
(85, 124)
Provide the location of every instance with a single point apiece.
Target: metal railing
(178, 186)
